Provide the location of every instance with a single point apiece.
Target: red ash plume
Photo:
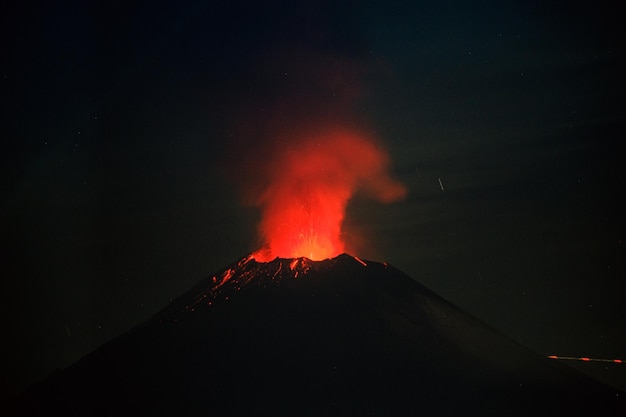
(308, 186)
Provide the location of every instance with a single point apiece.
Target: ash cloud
(301, 151)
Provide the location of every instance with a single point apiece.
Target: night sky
(127, 126)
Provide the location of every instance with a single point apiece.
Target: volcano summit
(295, 337)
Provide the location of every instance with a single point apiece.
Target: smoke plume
(307, 154)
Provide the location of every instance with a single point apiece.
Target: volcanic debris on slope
(299, 337)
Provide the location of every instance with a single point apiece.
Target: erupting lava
(308, 186)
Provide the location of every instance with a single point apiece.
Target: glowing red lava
(308, 188)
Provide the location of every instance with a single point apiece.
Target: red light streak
(584, 359)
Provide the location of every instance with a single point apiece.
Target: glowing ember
(308, 188)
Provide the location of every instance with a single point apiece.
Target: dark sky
(124, 125)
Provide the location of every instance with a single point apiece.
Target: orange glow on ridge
(308, 188)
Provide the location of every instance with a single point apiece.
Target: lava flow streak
(308, 187)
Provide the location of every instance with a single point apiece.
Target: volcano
(295, 337)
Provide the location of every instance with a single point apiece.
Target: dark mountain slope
(296, 337)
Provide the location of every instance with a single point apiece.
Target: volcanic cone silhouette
(294, 337)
